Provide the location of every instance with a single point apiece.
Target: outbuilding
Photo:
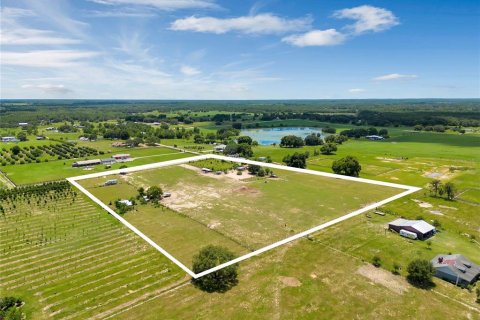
(456, 269)
(121, 157)
(86, 163)
(374, 137)
(422, 229)
(219, 148)
(10, 139)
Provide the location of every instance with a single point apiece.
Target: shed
(422, 229)
(456, 269)
(85, 163)
(219, 147)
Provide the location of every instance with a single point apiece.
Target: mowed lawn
(61, 169)
(247, 214)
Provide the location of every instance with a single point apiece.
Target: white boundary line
(73, 181)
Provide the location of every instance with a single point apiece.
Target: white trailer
(408, 234)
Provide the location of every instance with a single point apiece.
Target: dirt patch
(384, 278)
(384, 159)
(440, 173)
(214, 224)
(313, 275)
(422, 204)
(447, 207)
(245, 189)
(290, 281)
(436, 212)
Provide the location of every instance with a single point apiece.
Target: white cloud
(48, 88)
(189, 71)
(45, 58)
(368, 18)
(329, 37)
(356, 90)
(12, 32)
(258, 24)
(395, 76)
(163, 4)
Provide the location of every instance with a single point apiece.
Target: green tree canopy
(420, 273)
(154, 193)
(328, 148)
(218, 281)
(291, 141)
(313, 140)
(348, 166)
(297, 160)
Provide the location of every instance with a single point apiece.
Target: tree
(245, 150)
(218, 281)
(420, 273)
(244, 139)
(198, 139)
(383, 133)
(435, 186)
(15, 150)
(237, 125)
(154, 193)
(478, 295)
(22, 136)
(253, 169)
(291, 141)
(328, 148)
(450, 190)
(313, 140)
(348, 166)
(372, 131)
(297, 160)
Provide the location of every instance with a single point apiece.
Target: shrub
(376, 261)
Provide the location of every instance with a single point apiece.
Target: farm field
(239, 208)
(70, 260)
(61, 169)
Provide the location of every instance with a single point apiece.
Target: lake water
(268, 136)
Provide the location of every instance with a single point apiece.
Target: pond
(268, 136)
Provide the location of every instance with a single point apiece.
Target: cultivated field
(243, 212)
(70, 260)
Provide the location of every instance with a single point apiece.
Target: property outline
(73, 181)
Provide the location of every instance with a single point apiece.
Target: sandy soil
(422, 204)
(384, 278)
(290, 281)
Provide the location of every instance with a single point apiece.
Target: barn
(456, 269)
(422, 229)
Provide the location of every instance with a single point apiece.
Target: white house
(219, 148)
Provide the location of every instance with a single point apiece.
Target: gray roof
(458, 265)
(419, 225)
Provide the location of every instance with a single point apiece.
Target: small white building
(374, 137)
(23, 124)
(219, 148)
(9, 139)
(128, 203)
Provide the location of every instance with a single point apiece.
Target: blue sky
(267, 49)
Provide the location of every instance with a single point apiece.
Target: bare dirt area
(290, 281)
(422, 204)
(384, 278)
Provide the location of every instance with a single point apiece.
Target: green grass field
(61, 169)
(252, 212)
(71, 260)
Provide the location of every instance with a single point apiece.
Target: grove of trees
(296, 160)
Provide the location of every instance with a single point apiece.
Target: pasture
(249, 212)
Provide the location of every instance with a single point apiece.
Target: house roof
(458, 265)
(418, 225)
